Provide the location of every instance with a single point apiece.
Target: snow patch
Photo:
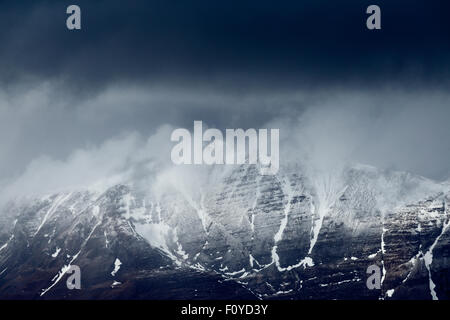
(55, 254)
(117, 264)
(390, 292)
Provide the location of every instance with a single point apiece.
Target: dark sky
(137, 65)
(226, 43)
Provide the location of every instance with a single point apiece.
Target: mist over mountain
(86, 177)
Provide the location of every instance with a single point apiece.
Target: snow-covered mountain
(236, 234)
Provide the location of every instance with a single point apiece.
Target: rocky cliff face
(234, 234)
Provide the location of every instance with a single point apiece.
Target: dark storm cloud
(255, 44)
(67, 98)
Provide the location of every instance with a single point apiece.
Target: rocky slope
(233, 234)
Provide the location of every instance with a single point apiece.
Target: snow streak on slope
(328, 189)
(289, 194)
(66, 268)
(287, 191)
(383, 250)
(6, 244)
(257, 195)
(52, 209)
(428, 257)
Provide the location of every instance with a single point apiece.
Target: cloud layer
(389, 129)
(78, 107)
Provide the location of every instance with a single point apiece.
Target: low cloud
(388, 129)
(124, 159)
(52, 141)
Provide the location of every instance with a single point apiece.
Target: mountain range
(233, 234)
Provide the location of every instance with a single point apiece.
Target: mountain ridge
(286, 236)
